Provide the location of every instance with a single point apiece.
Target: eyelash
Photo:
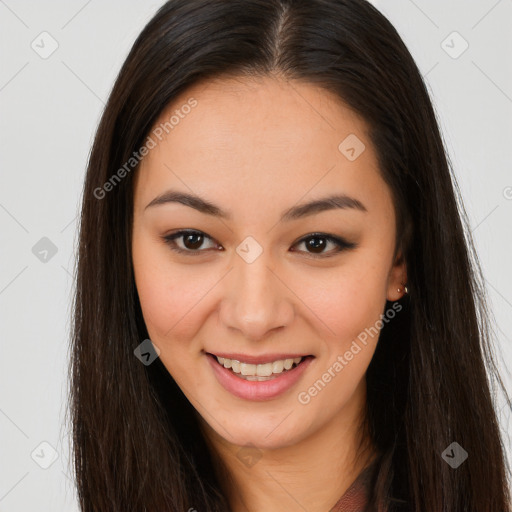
(340, 242)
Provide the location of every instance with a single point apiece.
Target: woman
(276, 306)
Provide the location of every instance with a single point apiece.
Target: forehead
(244, 138)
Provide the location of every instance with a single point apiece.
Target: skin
(257, 148)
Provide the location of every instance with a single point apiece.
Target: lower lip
(258, 390)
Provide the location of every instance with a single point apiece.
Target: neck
(310, 475)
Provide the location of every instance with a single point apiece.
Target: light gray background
(49, 111)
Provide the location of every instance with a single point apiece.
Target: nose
(256, 301)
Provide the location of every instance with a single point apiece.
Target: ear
(397, 278)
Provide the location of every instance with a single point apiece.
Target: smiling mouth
(259, 372)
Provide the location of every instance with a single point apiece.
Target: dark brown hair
(136, 441)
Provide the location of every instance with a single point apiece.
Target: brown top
(355, 498)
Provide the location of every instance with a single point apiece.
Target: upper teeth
(262, 370)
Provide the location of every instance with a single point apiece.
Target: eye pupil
(313, 243)
(196, 244)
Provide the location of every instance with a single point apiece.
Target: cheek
(170, 303)
(167, 297)
(346, 300)
(348, 308)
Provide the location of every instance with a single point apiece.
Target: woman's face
(251, 281)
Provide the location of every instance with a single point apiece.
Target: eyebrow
(337, 201)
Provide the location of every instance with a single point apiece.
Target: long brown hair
(136, 441)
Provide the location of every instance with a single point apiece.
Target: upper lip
(261, 359)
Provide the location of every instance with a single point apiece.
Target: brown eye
(317, 242)
(192, 241)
